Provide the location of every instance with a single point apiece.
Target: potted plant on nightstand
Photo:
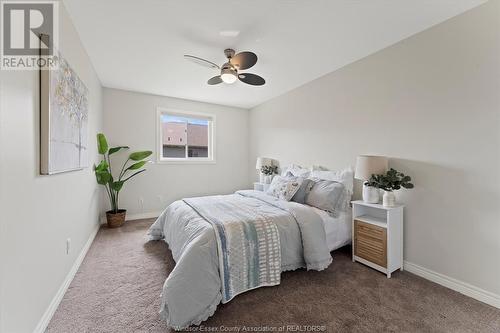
(135, 161)
(269, 171)
(391, 181)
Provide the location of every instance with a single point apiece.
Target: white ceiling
(139, 45)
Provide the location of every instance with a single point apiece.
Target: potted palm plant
(391, 181)
(114, 184)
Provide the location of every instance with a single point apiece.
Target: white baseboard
(454, 284)
(130, 217)
(47, 316)
(149, 215)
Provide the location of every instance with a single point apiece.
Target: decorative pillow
(284, 188)
(296, 171)
(325, 195)
(303, 191)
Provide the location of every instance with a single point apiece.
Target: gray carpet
(118, 286)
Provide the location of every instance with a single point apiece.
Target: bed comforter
(194, 288)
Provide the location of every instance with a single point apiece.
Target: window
(185, 136)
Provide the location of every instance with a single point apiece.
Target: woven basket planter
(116, 220)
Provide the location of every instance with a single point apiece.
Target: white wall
(38, 213)
(130, 119)
(431, 103)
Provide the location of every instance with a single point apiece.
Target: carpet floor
(118, 286)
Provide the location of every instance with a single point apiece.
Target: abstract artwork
(64, 119)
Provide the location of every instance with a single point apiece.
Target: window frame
(186, 160)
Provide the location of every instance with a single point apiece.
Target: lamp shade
(367, 165)
(261, 161)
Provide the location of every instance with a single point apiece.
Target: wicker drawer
(370, 242)
(370, 230)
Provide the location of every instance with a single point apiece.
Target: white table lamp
(366, 166)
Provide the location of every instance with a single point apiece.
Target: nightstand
(377, 234)
(260, 186)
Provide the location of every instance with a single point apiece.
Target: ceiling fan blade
(244, 60)
(215, 80)
(252, 79)
(200, 61)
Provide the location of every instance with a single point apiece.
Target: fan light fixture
(230, 71)
(228, 75)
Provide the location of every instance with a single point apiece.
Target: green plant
(392, 180)
(103, 171)
(269, 170)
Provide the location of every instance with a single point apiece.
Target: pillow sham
(296, 171)
(325, 195)
(303, 191)
(284, 187)
(318, 168)
(346, 177)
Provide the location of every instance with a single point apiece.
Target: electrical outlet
(68, 245)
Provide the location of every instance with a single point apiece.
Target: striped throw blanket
(248, 242)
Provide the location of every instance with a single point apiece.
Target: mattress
(338, 229)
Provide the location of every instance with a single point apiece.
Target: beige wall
(431, 103)
(130, 119)
(38, 213)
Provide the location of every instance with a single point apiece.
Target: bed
(216, 259)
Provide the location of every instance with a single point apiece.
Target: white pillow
(345, 177)
(318, 168)
(296, 171)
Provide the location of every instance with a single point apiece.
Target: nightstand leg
(401, 269)
(388, 275)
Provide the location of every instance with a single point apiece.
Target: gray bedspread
(192, 291)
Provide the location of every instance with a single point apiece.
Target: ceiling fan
(229, 72)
